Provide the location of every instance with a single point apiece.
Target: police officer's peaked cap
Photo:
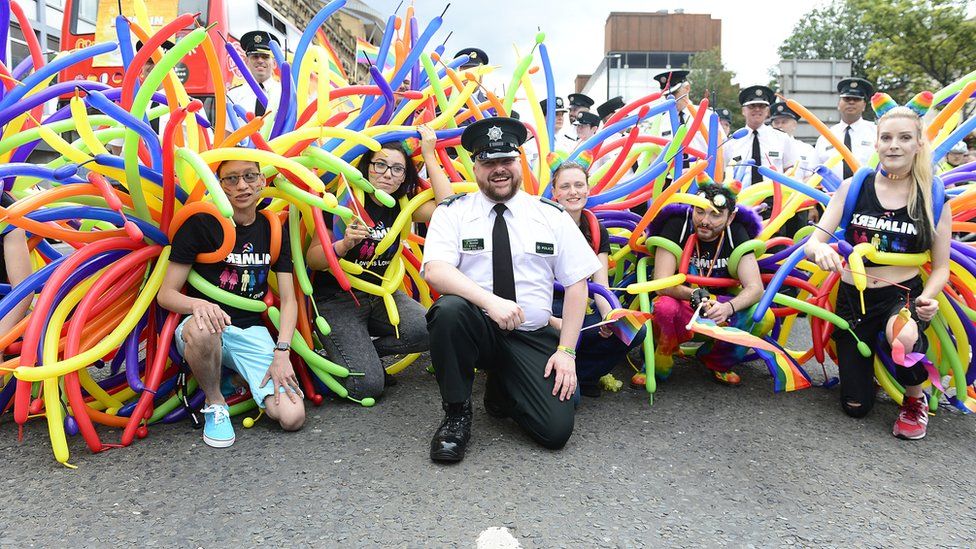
(724, 114)
(579, 100)
(165, 46)
(855, 87)
(560, 106)
(780, 109)
(475, 57)
(610, 107)
(494, 138)
(588, 118)
(756, 95)
(668, 80)
(258, 42)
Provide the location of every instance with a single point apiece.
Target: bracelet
(568, 350)
(733, 307)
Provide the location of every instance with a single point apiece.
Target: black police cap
(855, 87)
(165, 46)
(670, 79)
(724, 114)
(610, 107)
(579, 100)
(588, 118)
(475, 57)
(780, 109)
(494, 138)
(258, 42)
(756, 94)
(560, 106)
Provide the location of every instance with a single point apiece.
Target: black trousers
(463, 337)
(856, 371)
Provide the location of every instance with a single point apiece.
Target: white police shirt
(697, 142)
(546, 246)
(244, 96)
(863, 136)
(776, 150)
(807, 156)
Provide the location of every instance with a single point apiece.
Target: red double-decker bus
(87, 22)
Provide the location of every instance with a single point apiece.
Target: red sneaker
(913, 417)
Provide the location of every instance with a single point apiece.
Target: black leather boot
(451, 438)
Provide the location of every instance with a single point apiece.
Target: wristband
(568, 350)
(733, 307)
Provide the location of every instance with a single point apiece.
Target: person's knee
(200, 341)
(448, 311)
(370, 385)
(666, 308)
(291, 415)
(555, 433)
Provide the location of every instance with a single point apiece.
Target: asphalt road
(706, 465)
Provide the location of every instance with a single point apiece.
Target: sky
(751, 30)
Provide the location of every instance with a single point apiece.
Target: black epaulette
(450, 200)
(552, 203)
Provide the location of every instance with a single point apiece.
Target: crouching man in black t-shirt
(214, 335)
(717, 232)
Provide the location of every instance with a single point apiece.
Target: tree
(903, 46)
(833, 31)
(710, 77)
(918, 44)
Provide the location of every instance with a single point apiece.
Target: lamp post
(607, 58)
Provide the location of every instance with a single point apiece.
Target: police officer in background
(494, 255)
(257, 46)
(765, 145)
(612, 105)
(725, 120)
(587, 124)
(856, 133)
(578, 103)
(785, 120)
(676, 83)
(561, 142)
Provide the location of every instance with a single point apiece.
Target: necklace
(718, 249)
(894, 177)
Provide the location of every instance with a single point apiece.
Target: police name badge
(544, 248)
(472, 244)
(774, 154)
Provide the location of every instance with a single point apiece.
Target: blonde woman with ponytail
(894, 212)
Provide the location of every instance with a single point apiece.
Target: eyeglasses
(250, 178)
(379, 168)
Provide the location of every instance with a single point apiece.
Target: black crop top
(888, 230)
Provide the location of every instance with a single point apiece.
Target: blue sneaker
(217, 429)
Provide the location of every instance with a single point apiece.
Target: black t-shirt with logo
(243, 272)
(325, 285)
(680, 227)
(886, 230)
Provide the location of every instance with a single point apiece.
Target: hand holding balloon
(428, 139)
(355, 233)
(826, 258)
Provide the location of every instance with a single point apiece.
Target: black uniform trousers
(463, 338)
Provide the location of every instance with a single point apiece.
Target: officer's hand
(428, 139)
(507, 314)
(209, 316)
(565, 368)
(926, 309)
(355, 233)
(827, 259)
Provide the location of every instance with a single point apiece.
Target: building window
(658, 60)
(679, 60)
(18, 46)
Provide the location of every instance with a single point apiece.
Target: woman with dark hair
(361, 328)
(598, 350)
(894, 211)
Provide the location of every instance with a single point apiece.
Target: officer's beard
(491, 187)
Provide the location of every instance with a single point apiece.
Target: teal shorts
(247, 351)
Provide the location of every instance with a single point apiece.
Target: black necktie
(258, 106)
(756, 157)
(847, 143)
(502, 272)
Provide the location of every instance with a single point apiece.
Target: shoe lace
(915, 410)
(220, 413)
